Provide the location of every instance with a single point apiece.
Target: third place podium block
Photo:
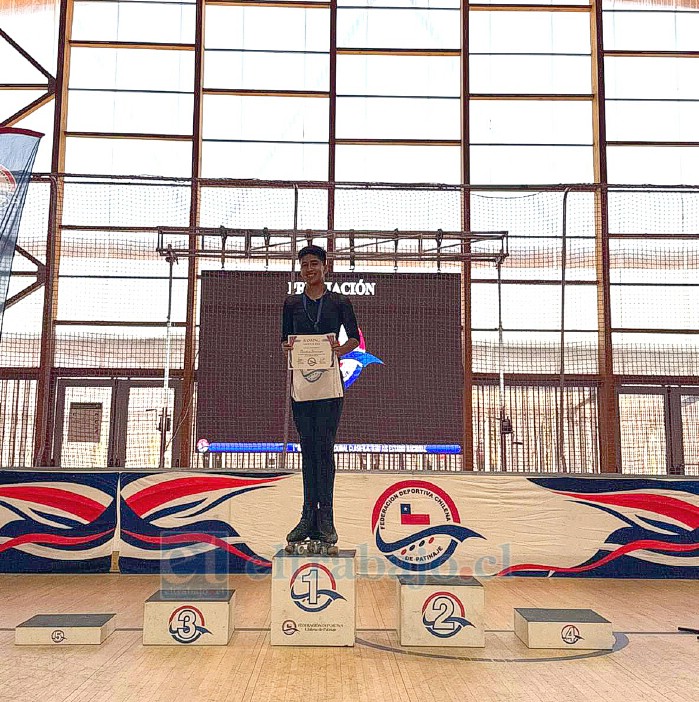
(440, 610)
(313, 600)
(189, 617)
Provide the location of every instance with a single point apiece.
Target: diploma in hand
(311, 352)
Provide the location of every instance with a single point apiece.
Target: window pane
(641, 307)
(531, 2)
(265, 161)
(134, 69)
(427, 4)
(395, 118)
(109, 299)
(654, 261)
(531, 164)
(529, 32)
(265, 118)
(40, 121)
(23, 318)
(652, 121)
(636, 77)
(263, 207)
(128, 157)
(132, 21)
(540, 259)
(690, 433)
(34, 27)
(653, 164)
(94, 253)
(530, 74)
(654, 212)
(119, 204)
(531, 122)
(268, 71)
(12, 101)
(399, 29)
(651, 30)
(16, 69)
(403, 209)
(399, 75)
(643, 447)
(532, 214)
(281, 29)
(535, 352)
(656, 354)
(399, 164)
(149, 113)
(534, 306)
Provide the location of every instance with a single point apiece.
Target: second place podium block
(441, 611)
(313, 600)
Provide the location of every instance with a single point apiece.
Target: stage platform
(651, 660)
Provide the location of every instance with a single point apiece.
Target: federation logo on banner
(444, 615)
(417, 525)
(313, 588)
(8, 186)
(187, 625)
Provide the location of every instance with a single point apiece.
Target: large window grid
(484, 94)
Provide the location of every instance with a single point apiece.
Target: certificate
(311, 352)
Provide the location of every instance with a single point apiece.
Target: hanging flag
(18, 149)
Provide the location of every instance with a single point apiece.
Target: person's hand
(287, 346)
(338, 349)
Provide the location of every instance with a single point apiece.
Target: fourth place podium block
(563, 628)
(439, 610)
(313, 600)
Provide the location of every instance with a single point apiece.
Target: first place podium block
(313, 600)
(189, 617)
(440, 610)
(64, 629)
(563, 628)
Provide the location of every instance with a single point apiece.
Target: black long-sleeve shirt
(336, 311)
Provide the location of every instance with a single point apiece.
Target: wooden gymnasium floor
(656, 664)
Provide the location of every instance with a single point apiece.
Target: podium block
(313, 600)
(563, 628)
(64, 629)
(189, 618)
(441, 611)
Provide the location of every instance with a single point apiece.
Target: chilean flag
(407, 518)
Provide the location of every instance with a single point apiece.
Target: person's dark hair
(314, 250)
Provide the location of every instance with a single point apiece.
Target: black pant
(316, 422)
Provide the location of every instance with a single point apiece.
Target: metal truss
(352, 245)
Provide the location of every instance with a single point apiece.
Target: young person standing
(317, 311)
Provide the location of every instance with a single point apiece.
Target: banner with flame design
(485, 525)
(57, 522)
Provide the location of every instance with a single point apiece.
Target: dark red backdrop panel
(412, 322)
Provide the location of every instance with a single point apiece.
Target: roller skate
(327, 545)
(298, 542)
